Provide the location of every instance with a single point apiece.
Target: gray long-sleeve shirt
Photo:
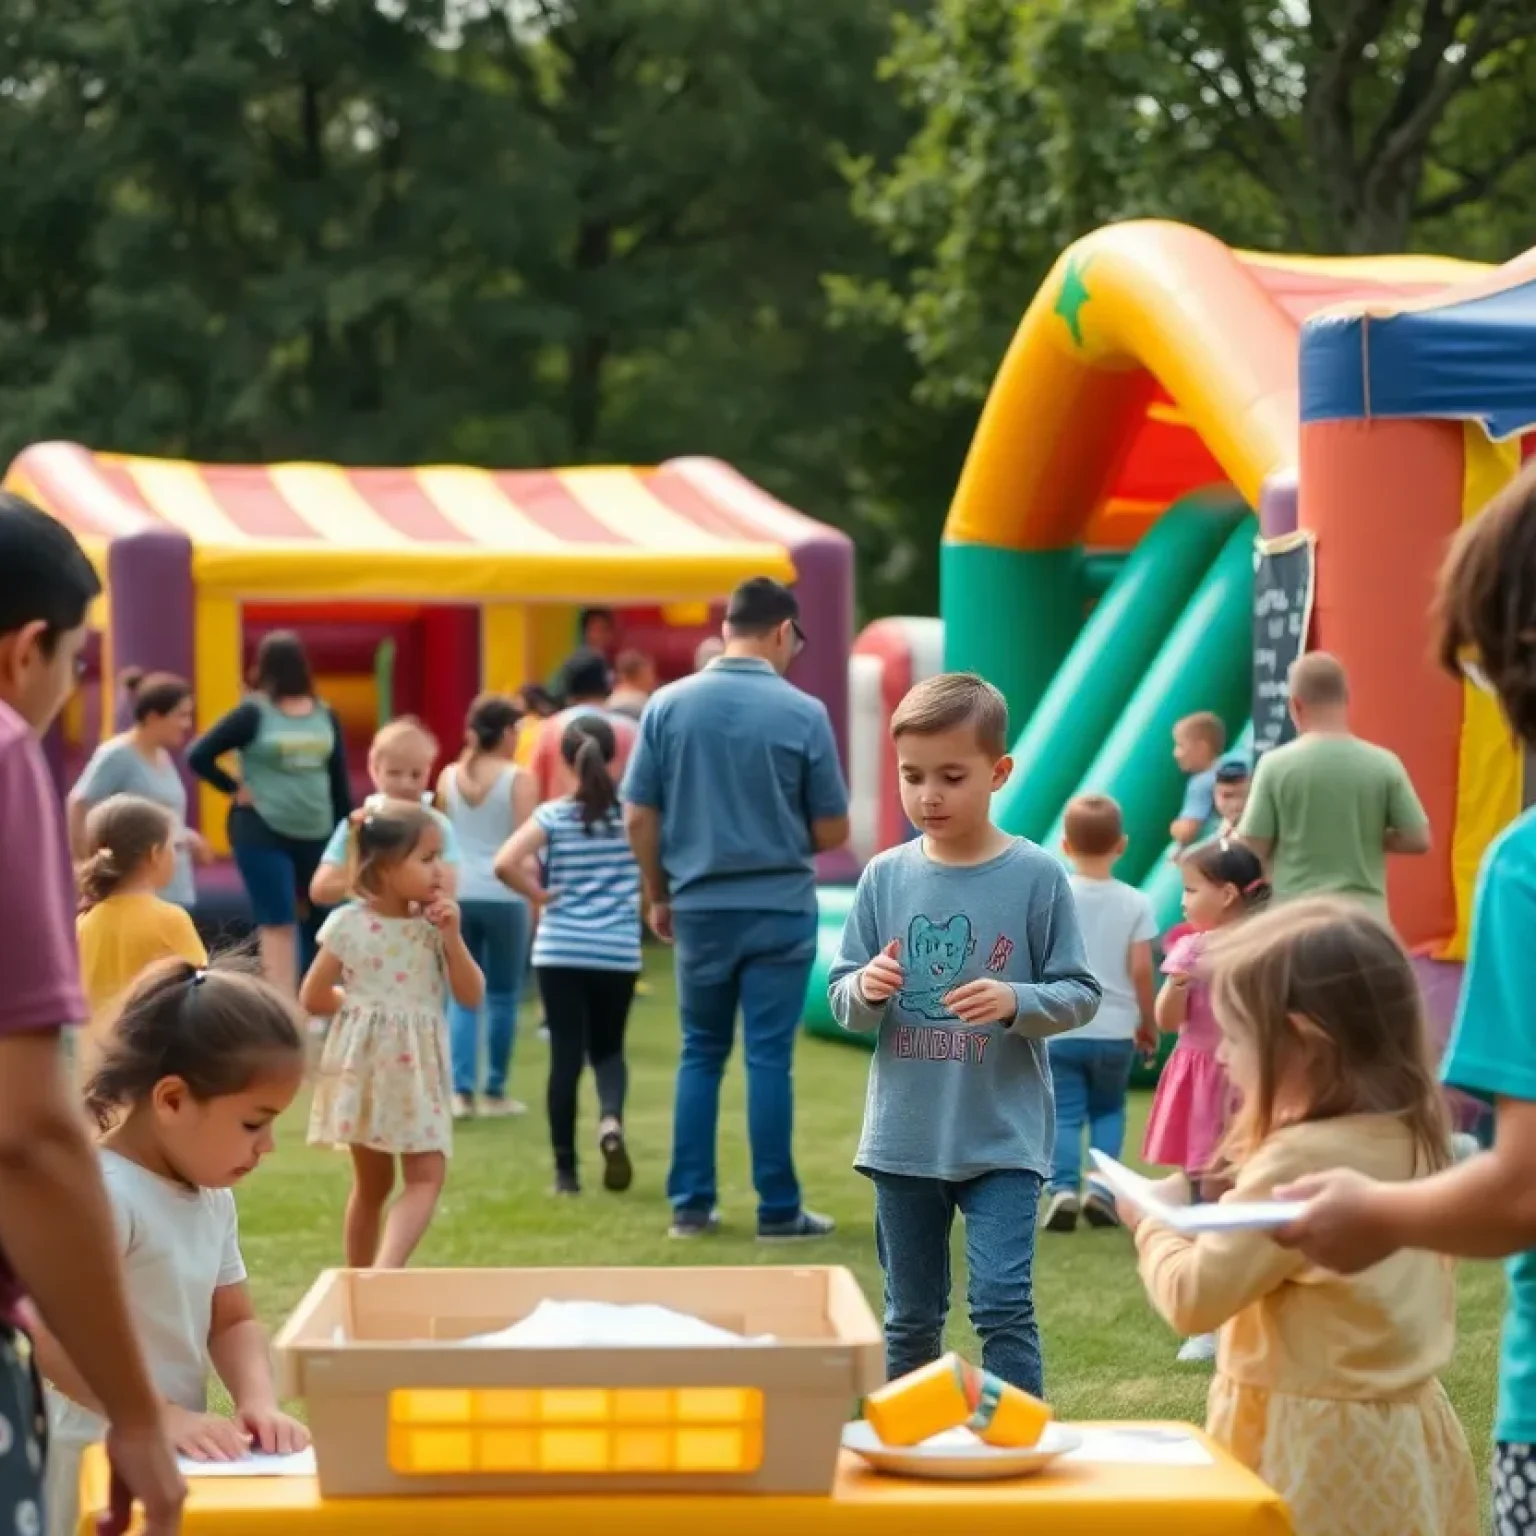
(948, 1100)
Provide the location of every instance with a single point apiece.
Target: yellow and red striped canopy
(684, 529)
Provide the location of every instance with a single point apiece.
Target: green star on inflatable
(1074, 294)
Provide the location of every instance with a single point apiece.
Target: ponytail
(123, 832)
(589, 747)
(97, 878)
(489, 719)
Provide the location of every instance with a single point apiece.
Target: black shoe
(694, 1224)
(618, 1171)
(1099, 1209)
(1061, 1214)
(807, 1224)
(566, 1183)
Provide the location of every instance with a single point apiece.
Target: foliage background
(795, 235)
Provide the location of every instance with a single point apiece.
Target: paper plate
(957, 1455)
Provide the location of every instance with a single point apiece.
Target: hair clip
(199, 976)
(1252, 886)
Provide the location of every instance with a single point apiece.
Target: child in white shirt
(198, 1066)
(1091, 1067)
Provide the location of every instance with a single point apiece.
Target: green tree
(1356, 126)
(532, 231)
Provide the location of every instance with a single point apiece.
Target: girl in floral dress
(387, 966)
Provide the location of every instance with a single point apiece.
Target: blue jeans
(913, 1218)
(1090, 1079)
(761, 963)
(496, 934)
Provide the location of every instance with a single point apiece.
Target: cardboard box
(398, 1407)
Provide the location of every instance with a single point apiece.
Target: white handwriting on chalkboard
(1270, 600)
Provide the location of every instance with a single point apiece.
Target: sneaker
(1061, 1213)
(1200, 1350)
(566, 1183)
(1464, 1145)
(463, 1106)
(694, 1224)
(1099, 1209)
(806, 1224)
(618, 1171)
(499, 1107)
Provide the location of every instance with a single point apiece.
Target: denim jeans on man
(739, 764)
(1090, 1079)
(496, 934)
(759, 962)
(913, 1218)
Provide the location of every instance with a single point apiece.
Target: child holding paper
(1327, 1386)
(198, 1066)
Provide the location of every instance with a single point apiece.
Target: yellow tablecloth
(1079, 1499)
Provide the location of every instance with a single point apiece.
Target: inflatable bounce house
(415, 589)
(1172, 418)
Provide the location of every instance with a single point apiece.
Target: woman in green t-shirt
(293, 788)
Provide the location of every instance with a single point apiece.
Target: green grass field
(1107, 1354)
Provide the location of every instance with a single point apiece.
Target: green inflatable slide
(1170, 636)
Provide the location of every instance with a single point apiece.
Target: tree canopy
(795, 235)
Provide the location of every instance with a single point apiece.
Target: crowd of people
(1010, 992)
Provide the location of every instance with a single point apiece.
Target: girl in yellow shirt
(1326, 1385)
(123, 925)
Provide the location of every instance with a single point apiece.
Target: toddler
(400, 760)
(1230, 794)
(385, 1090)
(199, 1065)
(963, 952)
(1198, 742)
(124, 925)
(1091, 1067)
(1223, 882)
(586, 950)
(1326, 1385)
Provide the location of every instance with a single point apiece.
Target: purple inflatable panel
(149, 575)
(824, 586)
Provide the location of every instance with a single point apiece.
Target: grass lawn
(1107, 1354)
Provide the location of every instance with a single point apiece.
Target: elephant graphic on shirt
(935, 955)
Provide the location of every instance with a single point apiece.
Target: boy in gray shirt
(963, 951)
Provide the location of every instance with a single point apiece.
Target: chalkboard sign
(1283, 572)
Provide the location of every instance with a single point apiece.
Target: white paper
(299, 1464)
(606, 1325)
(1228, 1216)
(1141, 1447)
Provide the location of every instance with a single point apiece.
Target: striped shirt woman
(586, 951)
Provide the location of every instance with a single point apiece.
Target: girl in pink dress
(1223, 882)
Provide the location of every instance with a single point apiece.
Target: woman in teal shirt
(293, 788)
(1485, 1207)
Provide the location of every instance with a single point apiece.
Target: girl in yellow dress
(1327, 1386)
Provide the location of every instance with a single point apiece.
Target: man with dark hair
(599, 630)
(585, 683)
(58, 1242)
(733, 787)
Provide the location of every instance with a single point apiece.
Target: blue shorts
(276, 873)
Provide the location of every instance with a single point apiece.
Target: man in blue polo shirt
(732, 787)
